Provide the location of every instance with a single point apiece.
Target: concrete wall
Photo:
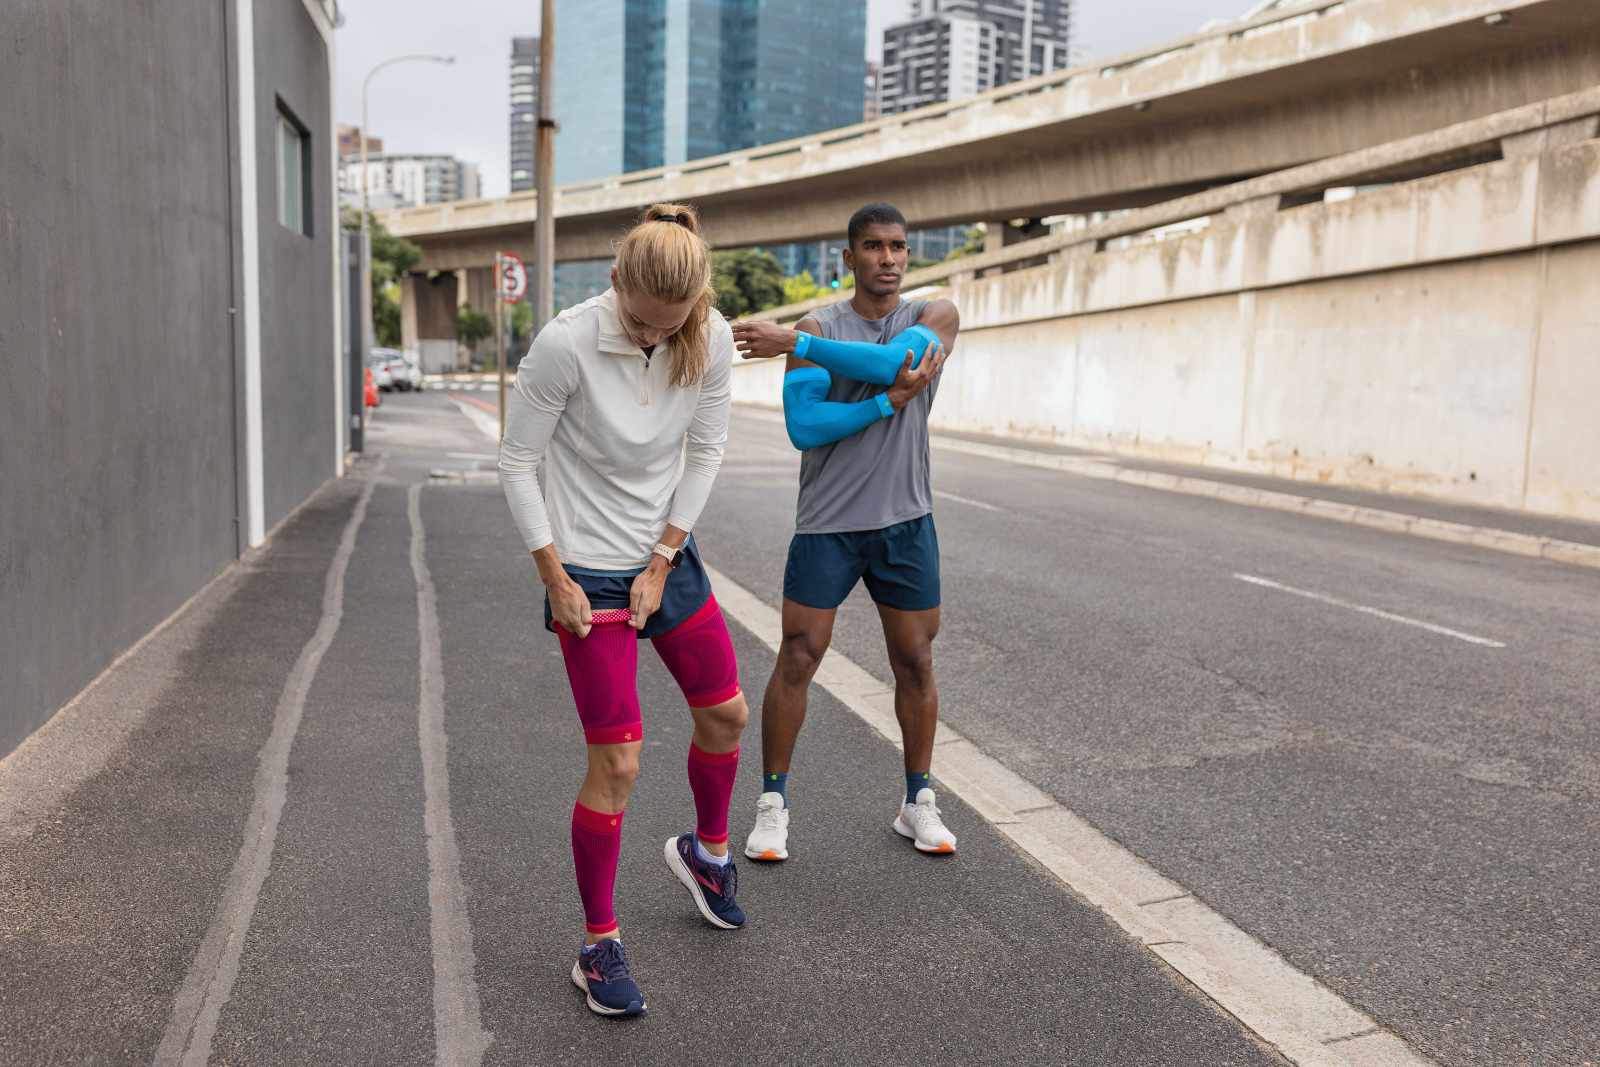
(299, 420)
(1440, 336)
(121, 477)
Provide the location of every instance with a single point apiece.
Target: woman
(612, 395)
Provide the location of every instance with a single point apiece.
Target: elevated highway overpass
(1241, 100)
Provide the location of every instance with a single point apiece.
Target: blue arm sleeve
(814, 421)
(866, 362)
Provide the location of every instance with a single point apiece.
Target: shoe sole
(681, 869)
(945, 849)
(769, 855)
(594, 1005)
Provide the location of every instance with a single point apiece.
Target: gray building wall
(119, 484)
(297, 375)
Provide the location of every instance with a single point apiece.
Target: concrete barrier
(1438, 336)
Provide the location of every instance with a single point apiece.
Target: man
(860, 382)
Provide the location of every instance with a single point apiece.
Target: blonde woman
(614, 434)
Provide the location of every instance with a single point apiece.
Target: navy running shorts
(899, 563)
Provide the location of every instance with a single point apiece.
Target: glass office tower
(698, 78)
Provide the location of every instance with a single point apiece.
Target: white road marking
(472, 455)
(486, 424)
(459, 1037)
(1389, 615)
(1304, 1020)
(964, 500)
(207, 986)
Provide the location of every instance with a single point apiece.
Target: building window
(294, 173)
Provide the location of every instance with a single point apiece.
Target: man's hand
(645, 596)
(912, 380)
(569, 606)
(762, 340)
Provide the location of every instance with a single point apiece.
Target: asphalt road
(859, 949)
(1407, 815)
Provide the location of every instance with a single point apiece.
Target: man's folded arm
(813, 420)
(863, 361)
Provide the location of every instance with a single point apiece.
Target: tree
(800, 288)
(391, 257)
(747, 280)
(521, 325)
(472, 326)
(971, 246)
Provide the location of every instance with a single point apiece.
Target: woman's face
(647, 320)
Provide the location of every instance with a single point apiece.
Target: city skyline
(423, 109)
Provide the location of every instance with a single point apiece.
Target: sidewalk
(859, 949)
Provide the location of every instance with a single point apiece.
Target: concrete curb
(1107, 469)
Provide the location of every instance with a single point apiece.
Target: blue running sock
(773, 782)
(916, 781)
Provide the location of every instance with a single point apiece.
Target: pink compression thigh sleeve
(596, 844)
(603, 669)
(699, 654)
(711, 777)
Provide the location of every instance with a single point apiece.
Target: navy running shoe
(710, 886)
(601, 971)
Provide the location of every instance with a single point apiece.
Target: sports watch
(673, 556)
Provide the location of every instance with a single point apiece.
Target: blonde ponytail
(665, 257)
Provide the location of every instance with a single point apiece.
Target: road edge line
(1305, 1021)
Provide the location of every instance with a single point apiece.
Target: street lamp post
(366, 247)
(544, 226)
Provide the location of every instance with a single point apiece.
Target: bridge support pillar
(428, 320)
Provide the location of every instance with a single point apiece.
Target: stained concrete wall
(120, 483)
(1440, 336)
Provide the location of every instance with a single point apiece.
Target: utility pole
(544, 226)
(500, 334)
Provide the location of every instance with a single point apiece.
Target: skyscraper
(950, 49)
(524, 109)
(700, 77)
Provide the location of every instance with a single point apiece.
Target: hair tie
(679, 219)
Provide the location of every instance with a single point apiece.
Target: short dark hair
(872, 215)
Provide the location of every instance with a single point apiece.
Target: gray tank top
(879, 476)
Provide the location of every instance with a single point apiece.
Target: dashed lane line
(1333, 601)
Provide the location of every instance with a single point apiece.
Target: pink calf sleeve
(711, 777)
(596, 844)
(603, 669)
(699, 654)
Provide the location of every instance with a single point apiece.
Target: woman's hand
(569, 606)
(645, 597)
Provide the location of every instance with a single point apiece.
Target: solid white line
(472, 455)
(963, 500)
(1389, 615)
(459, 1037)
(209, 983)
(1305, 1021)
(489, 427)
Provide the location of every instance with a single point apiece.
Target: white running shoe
(921, 823)
(769, 841)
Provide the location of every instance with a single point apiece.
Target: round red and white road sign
(513, 278)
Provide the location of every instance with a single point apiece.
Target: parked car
(403, 370)
(378, 364)
(371, 392)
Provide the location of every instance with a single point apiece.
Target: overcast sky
(462, 109)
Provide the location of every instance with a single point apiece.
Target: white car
(381, 375)
(404, 374)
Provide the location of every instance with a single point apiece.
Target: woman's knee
(616, 765)
(724, 723)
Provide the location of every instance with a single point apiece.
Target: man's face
(878, 258)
